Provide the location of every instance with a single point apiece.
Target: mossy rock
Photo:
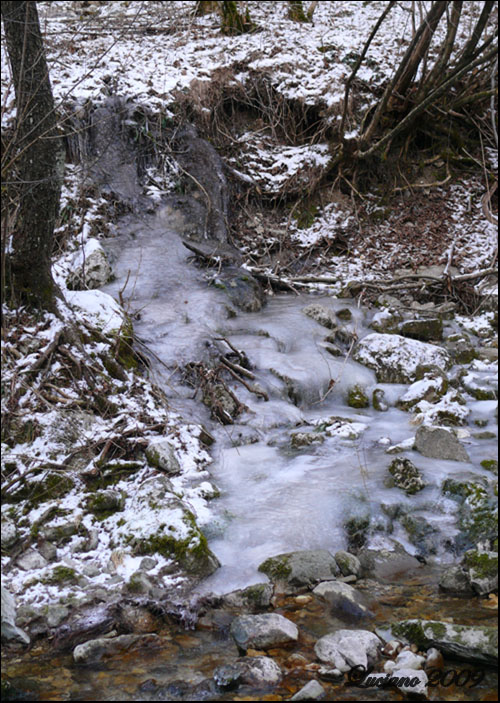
(490, 465)
(53, 485)
(357, 398)
(60, 575)
(105, 502)
(406, 475)
(484, 564)
(191, 552)
(423, 330)
(378, 400)
(470, 643)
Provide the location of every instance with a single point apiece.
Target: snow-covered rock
(395, 359)
(91, 267)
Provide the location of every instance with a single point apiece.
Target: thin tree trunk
(436, 73)
(34, 153)
(406, 67)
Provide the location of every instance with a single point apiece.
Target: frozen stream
(275, 498)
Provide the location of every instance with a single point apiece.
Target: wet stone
(312, 691)
(263, 631)
(298, 570)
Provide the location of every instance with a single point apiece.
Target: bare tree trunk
(408, 66)
(31, 161)
(296, 11)
(232, 21)
(437, 71)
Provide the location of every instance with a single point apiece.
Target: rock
(305, 439)
(406, 659)
(357, 398)
(94, 651)
(342, 598)
(137, 620)
(385, 565)
(199, 158)
(434, 659)
(348, 563)
(259, 672)
(470, 643)
(395, 359)
(478, 511)
(480, 387)
(460, 348)
(9, 533)
(31, 560)
(10, 631)
(422, 534)
(482, 570)
(242, 289)
(344, 314)
(430, 388)
(356, 525)
(255, 597)
(298, 570)
(227, 677)
(312, 691)
(139, 583)
(105, 501)
(56, 614)
(345, 649)
(455, 580)
(263, 631)
(424, 330)
(321, 314)
(406, 475)
(378, 400)
(407, 681)
(161, 454)
(439, 443)
(91, 268)
(47, 550)
(386, 321)
(450, 410)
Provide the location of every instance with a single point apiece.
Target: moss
(357, 398)
(304, 217)
(61, 574)
(490, 465)
(192, 553)
(54, 485)
(277, 568)
(485, 565)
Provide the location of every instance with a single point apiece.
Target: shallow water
(274, 498)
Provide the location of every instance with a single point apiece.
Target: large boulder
(470, 643)
(294, 571)
(395, 359)
(345, 649)
(387, 565)
(263, 631)
(10, 631)
(439, 443)
(342, 599)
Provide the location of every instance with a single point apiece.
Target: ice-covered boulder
(395, 359)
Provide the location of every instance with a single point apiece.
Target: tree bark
(33, 159)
